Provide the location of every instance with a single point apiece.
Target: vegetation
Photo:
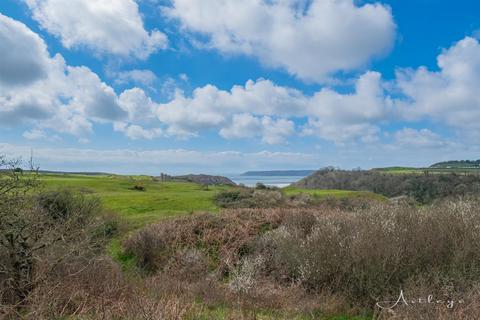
(225, 252)
(42, 236)
(323, 260)
(424, 188)
(457, 164)
(120, 194)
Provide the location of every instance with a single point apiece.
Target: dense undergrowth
(349, 258)
(423, 187)
(267, 255)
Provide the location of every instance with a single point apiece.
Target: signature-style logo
(430, 299)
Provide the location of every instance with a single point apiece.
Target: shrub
(356, 256)
(64, 204)
(223, 239)
(139, 187)
(250, 198)
(373, 253)
(38, 234)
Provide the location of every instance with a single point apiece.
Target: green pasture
(408, 170)
(338, 194)
(138, 208)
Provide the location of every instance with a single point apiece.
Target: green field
(337, 194)
(160, 199)
(408, 170)
(138, 208)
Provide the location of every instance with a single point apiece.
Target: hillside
(464, 164)
(423, 187)
(204, 179)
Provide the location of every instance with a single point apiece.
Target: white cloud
(423, 138)
(448, 96)
(137, 104)
(243, 126)
(277, 131)
(136, 132)
(345, 117)
(247, 126)
(104, 26)
(24, 54)
(248, 111)
(63, 98)
(144, 77)
(310, 39)
(72, 99)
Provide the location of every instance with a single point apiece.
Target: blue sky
(214, 86)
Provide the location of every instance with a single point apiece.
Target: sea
(275, 181)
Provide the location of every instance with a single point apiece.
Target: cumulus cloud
(248, 126)
(450, 95)
(309, 39)
(234, 111)
(63, 98)
(345, 117)
(24, 54)
(250, 110)
(137, 104)
(50, 95)
(243, 126)
(104, 26)
(277, 131)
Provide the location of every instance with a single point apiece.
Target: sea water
(276, 181)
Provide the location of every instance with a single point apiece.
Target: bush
(250, 198)
(373, 253)
(223, 239)
(355, 257)
(38, 234)
(139, 187)
(64, 204)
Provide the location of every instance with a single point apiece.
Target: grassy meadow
(137, 208)
(332, 193)
(162, 200)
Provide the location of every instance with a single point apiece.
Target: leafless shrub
(223, 238)
(355, 257)
(372, 253)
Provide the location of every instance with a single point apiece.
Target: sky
(226, 86)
